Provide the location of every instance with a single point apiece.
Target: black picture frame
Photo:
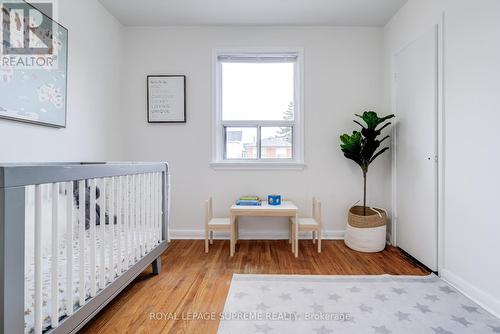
(183, 99)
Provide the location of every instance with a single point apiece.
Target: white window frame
(218, 133)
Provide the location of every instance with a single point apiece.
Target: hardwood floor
(192, 281)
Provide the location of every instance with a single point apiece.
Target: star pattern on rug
(399, 291)
(265, 328)
(381, 330)
(381, 297)
(354, 289)
(432, 298)
(446, 289)
(470, 309)
(440, 330)
(402, 316)
(461, 320)
(322, 330)
(306, 291)
(422, 308)
(261, 307)
(335, 297)
(285, 296)
(240, 295)
(365, 308)
(317, 308)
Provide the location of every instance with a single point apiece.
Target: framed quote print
(166, 95)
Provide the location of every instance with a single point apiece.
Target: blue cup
(274, 199)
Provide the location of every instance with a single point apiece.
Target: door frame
(440, 143)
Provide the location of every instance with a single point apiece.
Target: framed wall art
(33, 66)
(166, 98)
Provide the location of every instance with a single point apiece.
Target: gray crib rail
(13, 180)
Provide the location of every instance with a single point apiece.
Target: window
(258, 119)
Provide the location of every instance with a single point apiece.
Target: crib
(73, 235)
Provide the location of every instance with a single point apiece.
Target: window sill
(249, 165)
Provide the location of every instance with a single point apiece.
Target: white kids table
(286, 209)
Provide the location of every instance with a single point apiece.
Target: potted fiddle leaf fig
(366, 226)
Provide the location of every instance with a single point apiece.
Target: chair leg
(211, 237)
(313, 236)
(319, 240)
(206, 240)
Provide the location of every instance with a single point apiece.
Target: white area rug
(350, 304)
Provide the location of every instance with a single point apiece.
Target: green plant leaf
(378, 153)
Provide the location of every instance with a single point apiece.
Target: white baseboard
(487, 302)
(254, 235)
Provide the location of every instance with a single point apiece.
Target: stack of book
(248, 200)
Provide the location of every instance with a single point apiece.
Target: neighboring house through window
(258, 109)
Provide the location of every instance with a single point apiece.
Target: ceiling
(253, 12)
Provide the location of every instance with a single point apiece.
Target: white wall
(472, 139)
(94, 68)
(343, 71)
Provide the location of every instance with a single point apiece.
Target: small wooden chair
(312, 224)
(213, 224)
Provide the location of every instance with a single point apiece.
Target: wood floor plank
(192, 281)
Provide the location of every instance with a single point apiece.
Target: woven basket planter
(366, 233)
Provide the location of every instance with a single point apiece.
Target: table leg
(232, 235)
(296, 236)
(237, 229)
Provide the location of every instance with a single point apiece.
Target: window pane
(241, 143)
(257, 91)
(276, 142)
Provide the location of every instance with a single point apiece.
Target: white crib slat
(149, 202)
(102, 228)
(146, 213)
(146, 220)
(132, 220)
(119, 202)
(143, 215)
(54, 316)
(138, 215)
(153, 206)
(153, 213)
(160, 207)
(155, 209)
(112, 230)
(92, 208)
(126, 220)
(69, 248)
(38, 259)
(81, 241)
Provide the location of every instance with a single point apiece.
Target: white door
(416, 149)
